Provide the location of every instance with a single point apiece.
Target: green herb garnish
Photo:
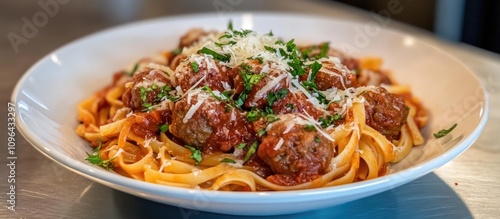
(215, 55)
(317, 139)
(309, 127)
(315, 67)
(194, 66)
(96, 160)
(272, 97)
(444, 132)
(134, 69)
(241, 145)
(177, 51)
(163, 128)
(261, 132)
(329, 120)
(227, 160)
(251, 150)
(195, 154)
(253, 115)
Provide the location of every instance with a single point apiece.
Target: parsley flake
(329, 120)
(215, 55)
(163, 128)
(444, 132)
(227, 160)
(309, 127)
(241, 145)
(194, 66)
(272, 97)
(195, 154)
(252, 150)
(95, 159)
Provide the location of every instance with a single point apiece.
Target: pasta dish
(242, 111)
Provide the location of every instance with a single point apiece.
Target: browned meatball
(192, 36)
(385, 112)
(202, 67)
(214, 126)
(296, 155)
(147, 123)
(333, 74)
(372, 77)
(349, 61)
(296, 103)
(146, 87)
(272, 80)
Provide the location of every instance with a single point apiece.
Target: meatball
(372, 77)
(333, 74)
(296, 103)
(257, 89)
(192, 36)
(147, 123)
(385, 112)
(295, 152)
(214, 126)
(202, 67)
(349, 61)
(148, 86)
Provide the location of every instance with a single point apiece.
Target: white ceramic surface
(47, 95)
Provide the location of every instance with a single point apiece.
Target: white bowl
(47, 95)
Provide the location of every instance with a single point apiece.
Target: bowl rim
(121, 182)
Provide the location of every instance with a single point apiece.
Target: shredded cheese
(278, 145)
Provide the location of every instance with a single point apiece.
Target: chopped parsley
(261, 132)
(230, 25)
(258, 58)
(317, 139)
(134, 69)
(224, 96)
(251, 150)
(271, 118)
(223, 44)
(329, 120)
(194, 66)
(177, 51)
(323, 50)
(163, 128)
(227, 160)
(444, 132)
(195, 154)
(215, 55)
(147, 107)
(275, 96)
(143, 93)
(241, 145)
(96, 160)
(253, 115)
(249, 80)
(309, 127)
(311, 86)
(315, 67)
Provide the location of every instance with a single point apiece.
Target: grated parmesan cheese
(278, 145)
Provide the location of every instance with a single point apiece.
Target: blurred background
(475, 22)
